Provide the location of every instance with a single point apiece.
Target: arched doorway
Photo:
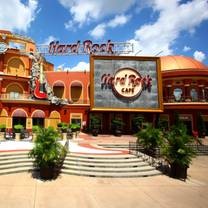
(38, 118)
(54, 119)
(76, 91)
(19, 117)
(58, 89)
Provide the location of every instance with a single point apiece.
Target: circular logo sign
(3, 47)
(127, 83)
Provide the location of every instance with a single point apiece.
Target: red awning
(38, 114)
(19, 113)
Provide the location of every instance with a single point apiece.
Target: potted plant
(47, 152)
(18, 128)
(137, 123)
(75, 128)
(63, 128)
(2, 131)
(178, 151)
(94, 125)
(150, 138)
(117, 125)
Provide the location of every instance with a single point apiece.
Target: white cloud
(186, 48)
(49, 39)
(199, 55)
(118, 20)
(173, 19)
(15, 15)
(100, 30)
(83, 11)
(81, 66)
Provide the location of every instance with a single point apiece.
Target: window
(194, 95)
(177, 94)
(14, 95)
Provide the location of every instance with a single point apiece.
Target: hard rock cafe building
(33, 93)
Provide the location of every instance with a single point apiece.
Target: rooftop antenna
(158, 53)
(138, 52)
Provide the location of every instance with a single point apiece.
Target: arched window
(76, 91)
(16, 67)
(194, 94)
(14, 91)
(58, 89)
(177, 92)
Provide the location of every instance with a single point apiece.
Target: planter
(95, 132)
(117, 132)
(34, 136)
(2, 134)
(178, 171)
(17, 136)
(74, 135)
(47, 172)
(64, 136)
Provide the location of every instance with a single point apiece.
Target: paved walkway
(84, 144)
(23, 191)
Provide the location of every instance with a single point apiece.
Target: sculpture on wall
(39, 86)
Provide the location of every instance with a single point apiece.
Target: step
(108, 169)
(16, 165)
(2, 162)
(10, 153)
(111, 175)
(126, 156)
(102, 160)
(16, 170)
(9, 157)
(112, 165)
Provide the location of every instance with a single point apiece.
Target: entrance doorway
(19, 117)
(19, 120)
(38, 118)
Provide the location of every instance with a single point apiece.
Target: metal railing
(173, 99)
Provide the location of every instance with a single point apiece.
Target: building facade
(184, 89)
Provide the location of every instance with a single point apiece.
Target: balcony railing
(16, 96)
(173, 99)
(80, 101)
(8, 96)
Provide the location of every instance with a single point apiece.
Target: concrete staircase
(107, 166)
(84, 165)
(15, 162)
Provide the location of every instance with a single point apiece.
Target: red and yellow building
(184, 82)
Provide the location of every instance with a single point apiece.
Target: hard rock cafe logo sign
(87, 47)
(126, 83)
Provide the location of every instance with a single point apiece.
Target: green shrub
(150, 137)
(177, 150)
(35, 128)
(2, 127)
(47, 151)
(18, 128)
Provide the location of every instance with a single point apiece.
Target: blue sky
(171, 26)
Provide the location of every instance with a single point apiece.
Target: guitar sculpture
(39, 86)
